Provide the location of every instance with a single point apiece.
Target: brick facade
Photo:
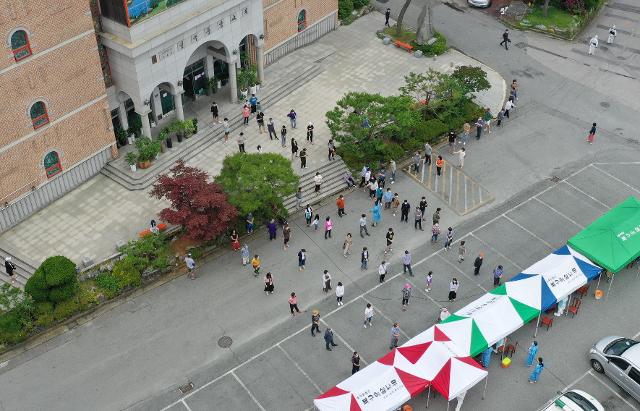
(64, 72)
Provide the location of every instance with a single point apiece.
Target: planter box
(144, 164)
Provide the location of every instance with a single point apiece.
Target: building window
(52, 164)
(39, 116)
(302, 20)
(20, 45)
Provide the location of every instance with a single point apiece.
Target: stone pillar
(233, 86)
(122, 115)
(146, 126)
(260, 58)
(177, 101)
(209, 66)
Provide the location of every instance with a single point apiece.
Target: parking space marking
(615, 178)
(346, 344)
(497, 252)
(383, 315)
(558, 212)
(286, 354)
(185, 405)
(247, 390)
(588, 195)
(577, 380)
(463, 273)
(612, 390)
(423, 293)
(528, 231)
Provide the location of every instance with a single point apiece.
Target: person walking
(273, 229)
(214, 112)
(235, 240)
(436, 216)
(435, 232)
(253, 102)
(346, 245)
(428, 151)
(10, 267)
(303, 158)
(368, 316)
(376, 214)
(328, 339)
(328, 226)
(387, 198)
(310, 132)
(406, 263)
(363, 225)
(462, 153)
(379, 194)
(241, 141)
(308, 214)
(406, 294)
(487, 117)
(271, 128)
(268, 284)
(227, 129)
(372, 186)
(339, 293)
(395, 335)
(382, 178)
(382, 270)
(340, 203)
(293, 117)
(497, 275)
(315, 322)
(387, 14)
(316, 222)
(260, 121)
(299, 198)
(508, 106)
(286, 235)
(612, 34)
(479, 126)
(302, 259)
(294, 148)
(283, 136)
(453, 289)
(331, 150)
(389, 237)
(188, 260)
(477, 263)
(317, 181)
(466, 131)
(593, 44)
(404, 211)
(439, 165)
(355, 363)
(395, 203)
(326, 281)
(449, 239)
(255, 263)
(393, 168)
(244, 252)
(533, 351)
(452, 140)
(500, 118)
(505, 39)
(535, 375)
(417, 220)
(462, 249)
(423, 206)
(246, 112)
(293, 304)
(592, 134)
(429, 280)
(514, 89)
(364, 258)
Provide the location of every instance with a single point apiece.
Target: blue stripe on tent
(590, 271)
(564, 250)
(521, 276)
(548, 299)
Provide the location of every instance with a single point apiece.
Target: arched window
(20, 45)
(52, 164)
(302, 20)
(39, 116)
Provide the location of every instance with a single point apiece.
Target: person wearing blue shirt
(253, 101)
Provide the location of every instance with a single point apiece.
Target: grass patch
(406, 36)
(555, 18)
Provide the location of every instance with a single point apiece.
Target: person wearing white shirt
(368, 316)
(382, 270)
(593, 44)
(612, 34)
(340, 293)
(461, 155)
(317, 180)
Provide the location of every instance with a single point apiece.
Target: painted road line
(185, 405)
(588, 195)
(497, 252)
(612, 390)
(559, 213)
(528, 231)
(463, 273)
(248, 392)
(286, 354)
(383, 315)
(343, 341)
(615, 178)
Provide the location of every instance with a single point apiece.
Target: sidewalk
(90, 221)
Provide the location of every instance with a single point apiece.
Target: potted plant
(190, 127)
(147, 151)
(195, 125)
(178, 127)
(131, 137)
(121, 137)
(131, 158)
(213, 84)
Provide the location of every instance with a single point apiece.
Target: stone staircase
(118, 170)
(23, 270)
(461, 192)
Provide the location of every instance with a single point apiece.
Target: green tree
(258, 183)
(16, 314)
(55, 280)
(422, 87)
(473, 79)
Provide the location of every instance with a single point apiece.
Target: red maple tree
(200, 206)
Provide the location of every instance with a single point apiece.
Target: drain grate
(225, 341)
(605, 104)
(186, 388)
(555, 179)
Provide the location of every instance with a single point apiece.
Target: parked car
(479, 3)
(574, 400)
(619, 359)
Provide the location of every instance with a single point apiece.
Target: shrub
(435, 49)
(66, 309)
(44, 314)
(126, 273)
(16, 315)
(87, 296)
(55, 280)
(109, 284)
(358, 4)
(63, 293)
(14, 328)
(345, 8)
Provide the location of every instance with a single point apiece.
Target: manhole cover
(225, 341)
(605, 104)
(186, 388)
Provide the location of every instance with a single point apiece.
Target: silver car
(619, 358)
(479, 3)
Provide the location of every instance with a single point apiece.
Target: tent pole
(613, 276)
(535, 334)
(599, 278)
(486, 380)
(566, 312)
(638, 272)
(428, 395)
(448, 403)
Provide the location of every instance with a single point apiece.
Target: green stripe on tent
(527, 313)
(501, 290)
(453, 318)
(478, 342)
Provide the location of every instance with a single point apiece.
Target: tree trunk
(545, 7)
(403, 10)
(425, 28)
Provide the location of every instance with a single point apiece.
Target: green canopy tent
(613, 240)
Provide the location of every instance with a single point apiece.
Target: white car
(479, 3)
(574, 400)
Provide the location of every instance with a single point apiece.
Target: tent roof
(613, 240)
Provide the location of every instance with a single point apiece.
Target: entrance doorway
(194, 80)
(166, 101)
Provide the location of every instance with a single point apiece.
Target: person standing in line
(310, 132)
(271, 128)
(235, 240)
(315, 322)
(486, 357)
(500, 118)
(302, 259)
(368, 316)
(592, 134)
(466, 130)
(260, 121)
(241, 143)
(428, 151)
(331, 149)
(393, 168)
(253, 102)
(395, 335)
(505, 39)
(268, 284)
(372, 185)
(250, 223)
(308, 214)
(255, 263)
(389, 237)
(328, 226)
(404, 211)
(479, 126)
(508, 106)
(188, 260)
(417, 221)
(533, 351)
(477, 263)
(340, 203)
(429, 280)
(363, 225)
(317, 181)
(436, 216)
(406, 294)
(453, 289)
(497, 275)
(452, 140)
(227, 129)
(286, 235)
(444, 314)
(462, 153)
(355, 363)
(514, 89)
(382, 177)
(487, 117)
(283, 136)
(379, 194)
(293, 117)
(273, 229)
(346, 246)
(328, 339)
(339, 293)
(316, 222)
(535, 375)
(387, 198)
(462, 249)
(299, 198)
(293, 304)
(376, 214)
(395, 203)
(244, 251)
(593, 44)
(423, 206)
(612, 34)
(246, 112)
(214, 113)
(416, 162)
(303, 158)
(367, 177)
(294, 148)
(435, 232)
(364, 258)
(326, 281)
(439, 165)
(449, 239)
(348, 179)
(387, 14)
(406, 263)
(382, 270)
